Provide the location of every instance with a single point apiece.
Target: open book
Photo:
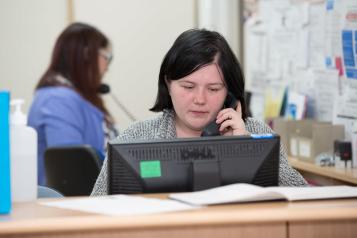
(242, 192)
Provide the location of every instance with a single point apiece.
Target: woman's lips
(199, 113)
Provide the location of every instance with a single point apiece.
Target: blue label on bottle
(5, 196)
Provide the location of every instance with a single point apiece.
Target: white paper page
(326, 92)
(302, 54)
(256, 45)
(121, 205)
(347, 100)
(302, 81)
(317, 35)
(333, 26)
(348, 106)
(258, 48)
(280, 35)
(270, 10)
(350, 7)
(347, 122)
(297, 14)
(257, 105)
(296, 20)
(227, 194)
(260, 81)
(311, 193)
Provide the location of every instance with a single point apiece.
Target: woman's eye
(214, 89)
(187, 87)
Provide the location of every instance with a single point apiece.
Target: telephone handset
(212, 129)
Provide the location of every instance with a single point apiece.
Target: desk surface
(348, 175)
(34, 218)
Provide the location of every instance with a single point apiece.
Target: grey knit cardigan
(163, 127)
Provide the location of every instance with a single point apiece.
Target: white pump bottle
(23, 154)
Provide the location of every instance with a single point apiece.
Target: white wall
(141, 31)
(221, 16)
(28, 31)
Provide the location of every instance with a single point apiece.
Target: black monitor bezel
(274, 140)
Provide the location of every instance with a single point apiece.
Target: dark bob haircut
(192, 50)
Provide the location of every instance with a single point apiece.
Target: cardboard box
(283, 128)
(313, 138)
(306, 139)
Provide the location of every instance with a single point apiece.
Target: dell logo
(197, 153)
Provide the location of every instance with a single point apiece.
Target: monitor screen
(192, 164)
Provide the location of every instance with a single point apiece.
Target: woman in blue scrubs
(67, 108)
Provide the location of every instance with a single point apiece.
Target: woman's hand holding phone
(231, 122)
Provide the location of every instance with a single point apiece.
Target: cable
(105, 89)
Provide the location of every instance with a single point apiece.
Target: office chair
(72, 170)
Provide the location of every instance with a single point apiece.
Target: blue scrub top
(61, 116)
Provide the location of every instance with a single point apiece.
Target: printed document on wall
(333, 26)
(347, 101)
(349, 39)
(316, 36)
(302, 81)
(326, 86)
(280, 37)
(256, 60)
(345, 110)
(297, 18)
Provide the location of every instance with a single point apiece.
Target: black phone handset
(212, 129)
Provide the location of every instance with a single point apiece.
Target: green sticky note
(150, 169)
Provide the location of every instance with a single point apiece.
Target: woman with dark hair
(67, 108)
(196, 76)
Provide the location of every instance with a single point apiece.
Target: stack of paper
(247, 193)
(121, 205)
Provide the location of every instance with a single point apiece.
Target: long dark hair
(192, 50)
(75, 57)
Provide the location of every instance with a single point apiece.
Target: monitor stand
(205, 175)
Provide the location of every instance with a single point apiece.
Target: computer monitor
(192, 164)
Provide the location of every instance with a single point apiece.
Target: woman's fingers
(231, 122)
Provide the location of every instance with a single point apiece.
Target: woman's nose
(200, 97)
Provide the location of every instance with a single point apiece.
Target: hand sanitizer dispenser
(23, 153)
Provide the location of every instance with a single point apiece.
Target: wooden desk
(325, 175)
(329, 218)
